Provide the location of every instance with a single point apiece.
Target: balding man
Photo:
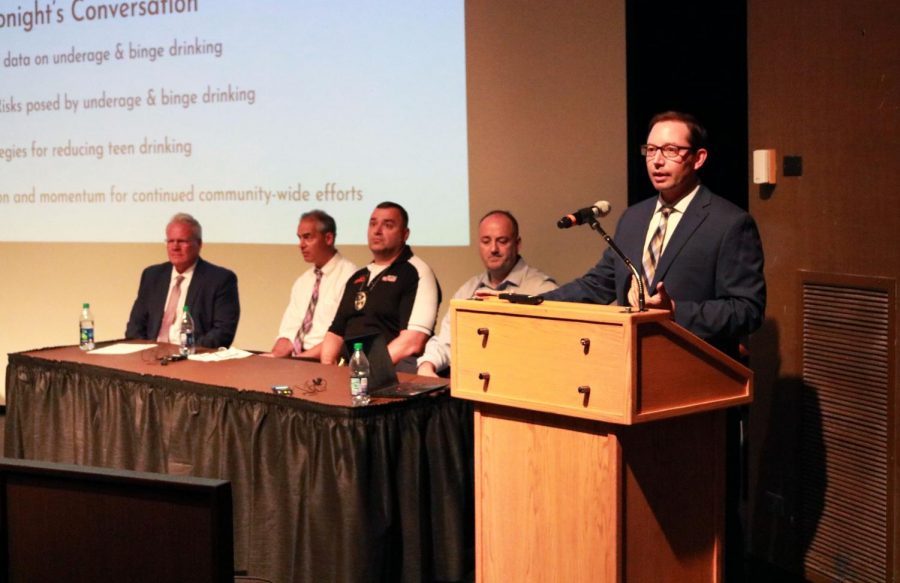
(499, 244)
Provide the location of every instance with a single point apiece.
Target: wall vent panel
(845, 448)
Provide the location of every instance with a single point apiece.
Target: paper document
(121, 348)
(221, 354)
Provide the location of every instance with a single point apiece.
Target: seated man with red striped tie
(316, 293)
(210, 291)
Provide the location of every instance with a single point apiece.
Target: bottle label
(359, 386)
(187, 343)
(87, 335)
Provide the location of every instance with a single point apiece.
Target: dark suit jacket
(712, 268)
(212, 297)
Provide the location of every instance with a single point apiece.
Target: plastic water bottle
(86, 342)
(186, 335)
(359, 376)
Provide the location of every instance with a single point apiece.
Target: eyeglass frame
(645, 150)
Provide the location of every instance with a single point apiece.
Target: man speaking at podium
(701, 259)
(700, 255)
(210, 291)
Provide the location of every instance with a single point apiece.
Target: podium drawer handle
(586, 343)
(586, 391)
(486, 377)
(483, 332)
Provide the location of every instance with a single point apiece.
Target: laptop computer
(383, 381)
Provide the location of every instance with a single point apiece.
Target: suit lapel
(634, 246)
(693, 217)
(195, 286)
(158, 302)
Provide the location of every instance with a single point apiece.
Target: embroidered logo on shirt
(389, 278)
(360, 279)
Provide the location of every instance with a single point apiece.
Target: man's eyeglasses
(670, 151)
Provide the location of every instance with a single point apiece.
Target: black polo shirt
(404, 295)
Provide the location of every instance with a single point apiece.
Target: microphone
(600, 209)
(521, 299)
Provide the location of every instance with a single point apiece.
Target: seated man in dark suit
(210, 291)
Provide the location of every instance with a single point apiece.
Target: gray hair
(196, 229)
(326, 222)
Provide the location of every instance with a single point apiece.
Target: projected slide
(116, 115)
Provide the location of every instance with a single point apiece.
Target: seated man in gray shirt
(498, 243)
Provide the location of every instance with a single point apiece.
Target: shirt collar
(682, 203)
(513, 278)
(405, 255)
(186, 273)
(331, 264)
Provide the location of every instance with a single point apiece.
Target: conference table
(322, 490)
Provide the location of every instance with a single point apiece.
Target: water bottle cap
(85, 305)
(185, 309)
(357, 346)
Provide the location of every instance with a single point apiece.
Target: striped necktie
(654, 249)
(171, 308)
(308, 318)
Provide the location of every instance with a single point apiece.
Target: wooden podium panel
(536, 526)
(599, 442)
(594, 362)
(673, 488)
(544, 374)
(563, 499)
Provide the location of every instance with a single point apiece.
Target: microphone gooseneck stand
(595, 225)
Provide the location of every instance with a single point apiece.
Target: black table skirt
(321, 493)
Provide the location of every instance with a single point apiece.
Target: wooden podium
(599, 442)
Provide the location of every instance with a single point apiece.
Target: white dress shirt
(335, 274)
(175, 328)
(674, 219)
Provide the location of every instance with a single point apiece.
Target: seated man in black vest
(395, 295)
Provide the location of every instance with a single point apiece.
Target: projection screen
(116, 115)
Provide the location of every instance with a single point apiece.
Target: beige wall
(546, 107)
(824, 84)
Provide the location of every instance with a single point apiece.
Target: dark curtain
(321, 493)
